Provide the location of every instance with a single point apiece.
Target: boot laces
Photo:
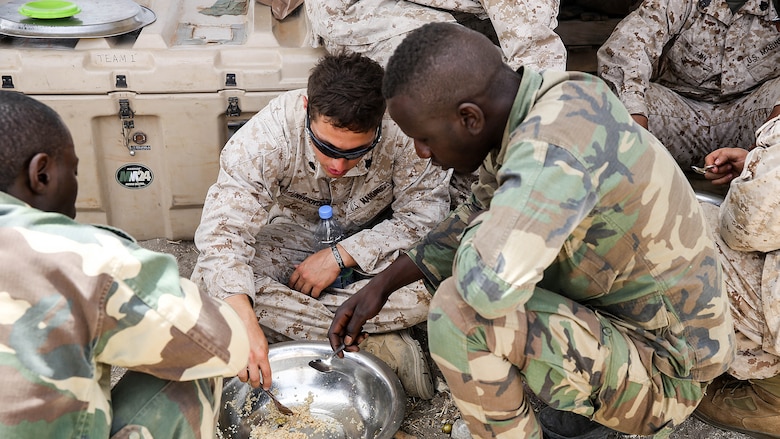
(734, 385)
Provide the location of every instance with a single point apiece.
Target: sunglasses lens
(334, 153)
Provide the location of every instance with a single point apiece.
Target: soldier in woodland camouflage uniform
(77, 299)
(525, 28)
(256, 233)
(747, 234)
(699, 74)
(581, 265)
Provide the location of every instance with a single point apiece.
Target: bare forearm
(400, 273)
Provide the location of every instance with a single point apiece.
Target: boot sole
(754, 434)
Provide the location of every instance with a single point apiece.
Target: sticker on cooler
(134, 176)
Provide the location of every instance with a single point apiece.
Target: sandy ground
(424, 419)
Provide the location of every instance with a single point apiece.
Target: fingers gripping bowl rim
(49, 9)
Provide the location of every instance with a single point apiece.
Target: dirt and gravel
(424, 419)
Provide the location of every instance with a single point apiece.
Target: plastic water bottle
(326, 235)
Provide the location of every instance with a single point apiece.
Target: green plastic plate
(48, 9)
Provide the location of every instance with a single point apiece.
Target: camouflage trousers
(742, 274)
(525, 29)
(691, 129)
(288, 314)
(571, 357)
(146, 407)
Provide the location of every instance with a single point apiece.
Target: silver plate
(362, 397)
(94, 21)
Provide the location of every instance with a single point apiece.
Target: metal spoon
(279, 406)
(324, 365)
(702, 171)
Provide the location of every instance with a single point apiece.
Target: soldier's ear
(471, 117)
(39, 173)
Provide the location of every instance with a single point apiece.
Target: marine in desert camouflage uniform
(77, 300)
(259, 218)
(525, 29)
(256, 233)
(581, 266)
(746, 228)
(699, 74)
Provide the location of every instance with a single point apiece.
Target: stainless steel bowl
(362, 396)
(709, 197)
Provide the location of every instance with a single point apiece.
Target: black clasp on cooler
(233, 110)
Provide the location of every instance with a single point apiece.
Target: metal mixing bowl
(362, 396)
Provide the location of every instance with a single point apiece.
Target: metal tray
(94, 21)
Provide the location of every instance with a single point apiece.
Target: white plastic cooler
(150, 110)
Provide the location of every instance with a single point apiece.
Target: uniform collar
(10, 199)
(720, 9)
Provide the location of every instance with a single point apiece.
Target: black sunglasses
(335, 153)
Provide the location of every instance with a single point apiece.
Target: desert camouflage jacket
(525, 29)
(77, 299)
(581, 201)
(269, 174)
(697, 48)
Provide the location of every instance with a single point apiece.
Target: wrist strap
(337, 256)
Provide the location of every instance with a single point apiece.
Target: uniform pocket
(690, 61)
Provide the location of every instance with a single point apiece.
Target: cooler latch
(126, 115)
(233, 110)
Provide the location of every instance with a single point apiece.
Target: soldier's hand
(347, 325)
(315, 273)
(728, 164)
(258, 370)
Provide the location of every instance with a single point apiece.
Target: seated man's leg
(164, 409)
(526, 32)
(297, 316)
(288, 314)
(692, 129)
(373, 28)
(525, 29)
(681, 124)
(569, 356)
(735, 123)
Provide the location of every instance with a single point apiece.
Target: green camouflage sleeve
(77, 300)
(504, 252)
(149, 319)
(434, 254)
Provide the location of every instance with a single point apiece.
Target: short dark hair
(439, 50)
(413, 56)
(347, 89)
(27, 127)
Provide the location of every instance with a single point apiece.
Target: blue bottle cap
(326, 212)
